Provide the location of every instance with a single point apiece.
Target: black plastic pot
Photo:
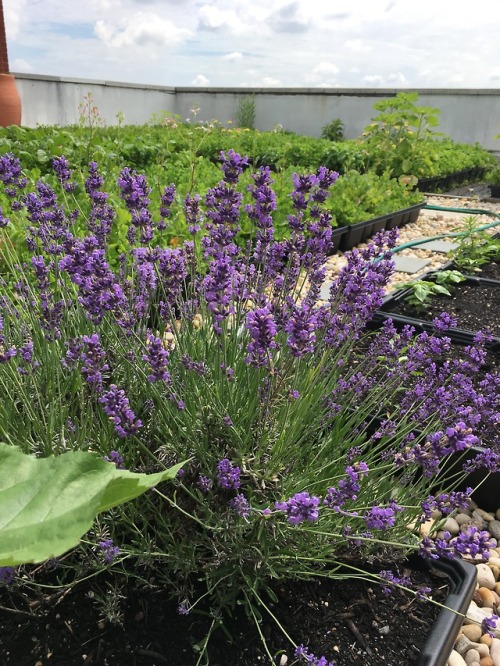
(462, 581)
(495, 191)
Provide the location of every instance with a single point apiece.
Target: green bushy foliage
(333, 131)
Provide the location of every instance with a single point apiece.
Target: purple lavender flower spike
(232, 165)
(301, 328)
(63, 173)
(472, 542)
(50, 223)
(393, 580)
(348, 488)
(11, 175)
(167, 199)
(135, 192)
(194, 215)
(240, 505)
(4, 220)
(228, 475)
(116, 458)
(117, 407)
(7, 575)
(157, 358)
(108, 550)
(379, 518)
(489, 624)
(300, 507)
(99, 290)
(261, 212)
(51, 312)
(303, 653)
(204, 484)
(183, 608)
(102, 214)
(93, 359)
(262, 327)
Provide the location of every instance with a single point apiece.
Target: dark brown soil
(351, 622)
(490, 271)
(476, 306)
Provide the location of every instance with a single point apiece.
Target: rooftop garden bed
(295, 444)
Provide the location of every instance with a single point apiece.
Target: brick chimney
(10, 102)
(4, 56)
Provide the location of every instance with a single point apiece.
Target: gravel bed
(474, 646)
(429, 223)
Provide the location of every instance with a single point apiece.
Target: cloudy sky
(260, 43)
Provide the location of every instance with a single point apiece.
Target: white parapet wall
(467, 115)
(49, 100)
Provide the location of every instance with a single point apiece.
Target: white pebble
(495, 651)
(472, 657)
(485, 577)
(456, 660)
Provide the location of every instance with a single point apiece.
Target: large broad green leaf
(48, 504)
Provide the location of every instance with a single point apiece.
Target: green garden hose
(477, 211)
(450, 234)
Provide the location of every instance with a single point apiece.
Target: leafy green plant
(245, 112)
(396, 132)
(333, 131)
(493, 176)
(48, 504)
(438, 284)
(474, 248)
(359, 197)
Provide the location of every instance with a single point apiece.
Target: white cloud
(233, 57)
(21, 65)
(141, 29)
(397, 79)
(323, 75)
(356, 46)
(290, 18)
(200, 80)
(13, 14)
(212, 18)
(270, 81)
(373, 80)
(326, 68)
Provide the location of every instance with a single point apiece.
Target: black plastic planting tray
(450, 180)
(345, 238)
(457, 335)
(462, 580)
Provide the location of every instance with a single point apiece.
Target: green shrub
(333, 131)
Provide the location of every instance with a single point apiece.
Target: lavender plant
(313, 445)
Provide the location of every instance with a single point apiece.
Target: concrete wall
(55, 101)
(467, 115)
